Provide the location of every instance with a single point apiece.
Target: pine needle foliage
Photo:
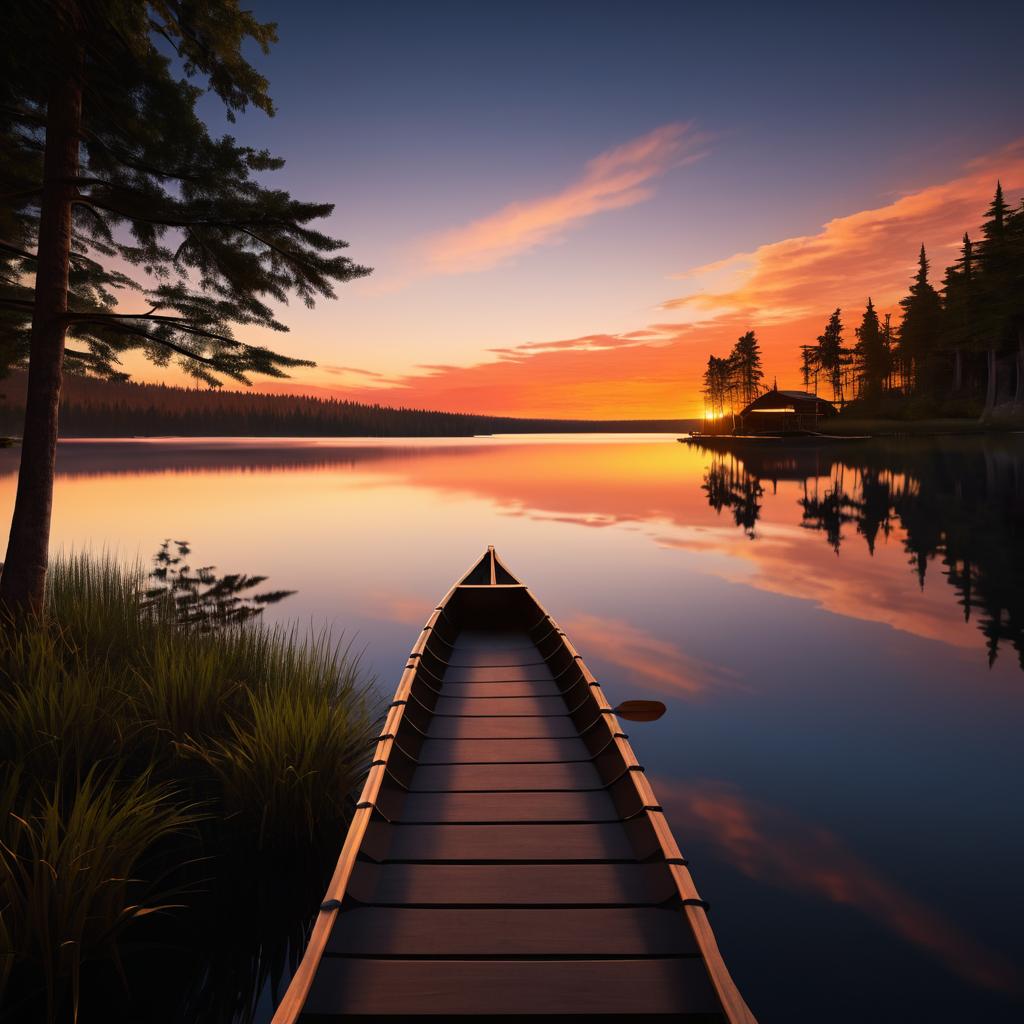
(175, 222)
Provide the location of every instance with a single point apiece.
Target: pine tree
(994, 283)
(809, 366)
(833, 357)
(921, 328)
(872, 355)
(1015, 291)
(960, 302)
(106, 168)
(710, 390)
(746, 365)
(889, 347)
(719, 383)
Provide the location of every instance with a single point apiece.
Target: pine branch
(135, 164)
(138, 332)
(24, 254)
(7, 247)
(178, 323)
(180, 222)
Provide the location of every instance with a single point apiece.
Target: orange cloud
(785, 290)
(770, 845)
(866, 253)
(617, 178)
(587, 343)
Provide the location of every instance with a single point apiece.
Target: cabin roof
(798, 401)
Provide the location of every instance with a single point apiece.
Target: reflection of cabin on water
(777, 411)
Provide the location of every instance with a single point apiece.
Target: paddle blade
(640, 710)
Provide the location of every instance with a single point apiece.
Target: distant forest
(97, 408)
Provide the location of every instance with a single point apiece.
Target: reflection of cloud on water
(393, 606)
(644, 658)
(783, 561)
(596, 520)
(771, 845)
(653, 489)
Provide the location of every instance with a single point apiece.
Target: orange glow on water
(294, 501)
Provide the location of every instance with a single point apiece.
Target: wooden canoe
(507, 854)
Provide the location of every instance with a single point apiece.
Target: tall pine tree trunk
(24, 572)
(1018, 397)
(990, 389)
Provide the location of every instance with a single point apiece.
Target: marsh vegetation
(160, 764)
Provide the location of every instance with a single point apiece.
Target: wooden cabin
(777, 411)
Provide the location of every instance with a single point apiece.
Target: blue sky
(420, 119)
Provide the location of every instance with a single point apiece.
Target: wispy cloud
(871, 252)
(586, 343)
(344, 371)
(785, 290)
(615, 179)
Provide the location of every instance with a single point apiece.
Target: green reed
(131, 743)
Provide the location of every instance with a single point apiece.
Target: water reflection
(959, 504)
(866, 760)
(771, 845)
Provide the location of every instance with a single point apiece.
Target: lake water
(838, 636)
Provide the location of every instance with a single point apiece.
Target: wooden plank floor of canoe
(508, 882)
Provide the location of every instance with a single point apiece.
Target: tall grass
(131, 743)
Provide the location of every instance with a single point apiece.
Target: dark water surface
(838, 635)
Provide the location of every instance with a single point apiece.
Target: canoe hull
(507, 853)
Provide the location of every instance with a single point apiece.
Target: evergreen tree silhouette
(746, 367)
(833, 356)
(871, 353)
(996, 279)
(1015, 292)
(107, 168)
(960, 310)
(921, 328)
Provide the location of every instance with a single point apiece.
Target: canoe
(507, 854)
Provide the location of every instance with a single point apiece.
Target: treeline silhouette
(98, 408)
(960, 504)
(958, 348)
(732, 382)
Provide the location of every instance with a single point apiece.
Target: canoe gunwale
(631, 792)
(695, 908)
(294, 999)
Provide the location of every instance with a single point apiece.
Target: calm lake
(838, 636)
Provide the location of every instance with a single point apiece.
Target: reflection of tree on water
(828, 511)
(958, 500)
(728, 485)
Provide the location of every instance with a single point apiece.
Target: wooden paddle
(640, 710)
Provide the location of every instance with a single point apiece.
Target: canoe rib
(507, 853)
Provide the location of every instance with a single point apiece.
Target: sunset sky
(568, 206)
